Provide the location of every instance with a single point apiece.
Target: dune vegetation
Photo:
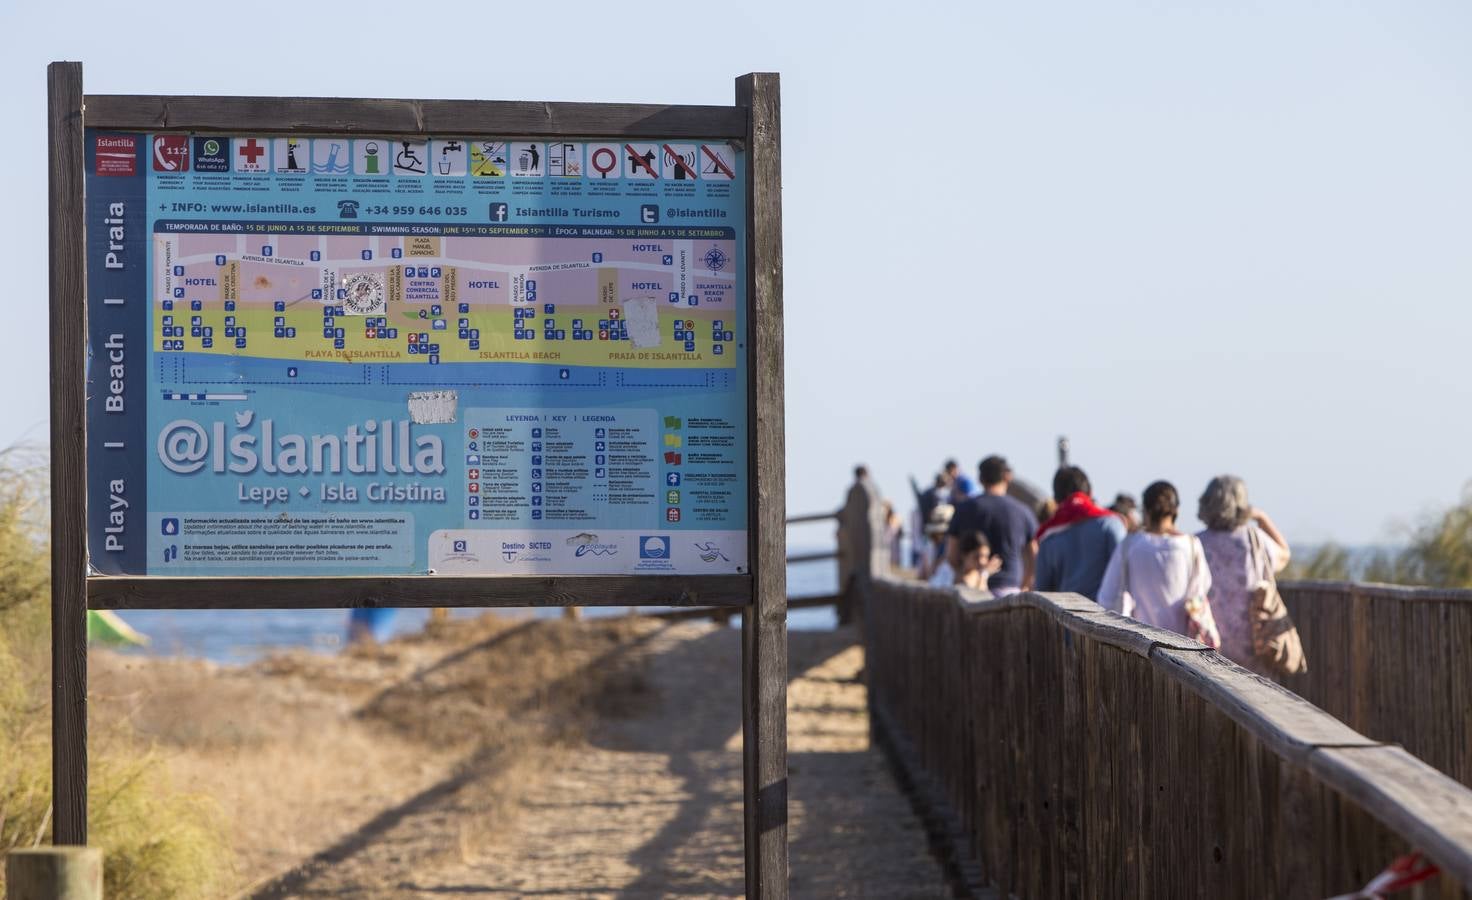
(159, 843)
(1437, 553)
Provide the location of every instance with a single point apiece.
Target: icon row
(448, 158)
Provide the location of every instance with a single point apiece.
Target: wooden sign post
(106, 136)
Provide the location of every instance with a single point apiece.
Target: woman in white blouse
(1159, 575)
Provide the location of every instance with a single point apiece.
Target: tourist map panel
(334, 355)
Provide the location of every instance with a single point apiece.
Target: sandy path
(652, 806)
(508, 759)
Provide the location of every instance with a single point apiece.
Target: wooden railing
(1394, 663)
(839, 600)
(1077, 753)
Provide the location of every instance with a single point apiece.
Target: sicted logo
(588, 545)
(654, 547)
(526, 551)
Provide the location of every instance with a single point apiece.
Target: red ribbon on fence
(1405, 871)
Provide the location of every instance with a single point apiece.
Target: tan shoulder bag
(1274, 636)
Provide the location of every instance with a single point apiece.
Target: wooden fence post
(68, 459)
(764, 622)
(54, 873)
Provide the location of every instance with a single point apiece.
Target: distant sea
(236, 636)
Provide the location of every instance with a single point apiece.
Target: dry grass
(422, 748)
(159, 843)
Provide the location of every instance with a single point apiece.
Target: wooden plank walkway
(653, 807)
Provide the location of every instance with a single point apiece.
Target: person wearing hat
(934, 554)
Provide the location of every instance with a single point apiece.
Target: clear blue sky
(1193, 237)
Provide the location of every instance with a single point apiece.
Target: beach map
(342, 355)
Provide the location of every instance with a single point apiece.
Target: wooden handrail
(815, 556)
(1405, 593)
(717, 612)
(1027, 712)
(812, 517)
(1392, 662)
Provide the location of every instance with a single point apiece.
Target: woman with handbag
(1245, 552)
(1159, 575)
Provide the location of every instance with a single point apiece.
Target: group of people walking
(1200, 585)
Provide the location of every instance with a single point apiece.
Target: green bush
(1438, 553)
(157, 843)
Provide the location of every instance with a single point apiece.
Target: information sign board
(307, 351)
(348, 354)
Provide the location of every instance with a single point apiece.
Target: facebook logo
(498, 212)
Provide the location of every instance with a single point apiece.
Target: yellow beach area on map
(409, 299)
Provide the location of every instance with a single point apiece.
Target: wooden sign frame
(754, 121)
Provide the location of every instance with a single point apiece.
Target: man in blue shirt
(1007, 523)
(962, 487)
(1075, 544)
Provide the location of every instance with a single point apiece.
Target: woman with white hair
(1243, 549)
